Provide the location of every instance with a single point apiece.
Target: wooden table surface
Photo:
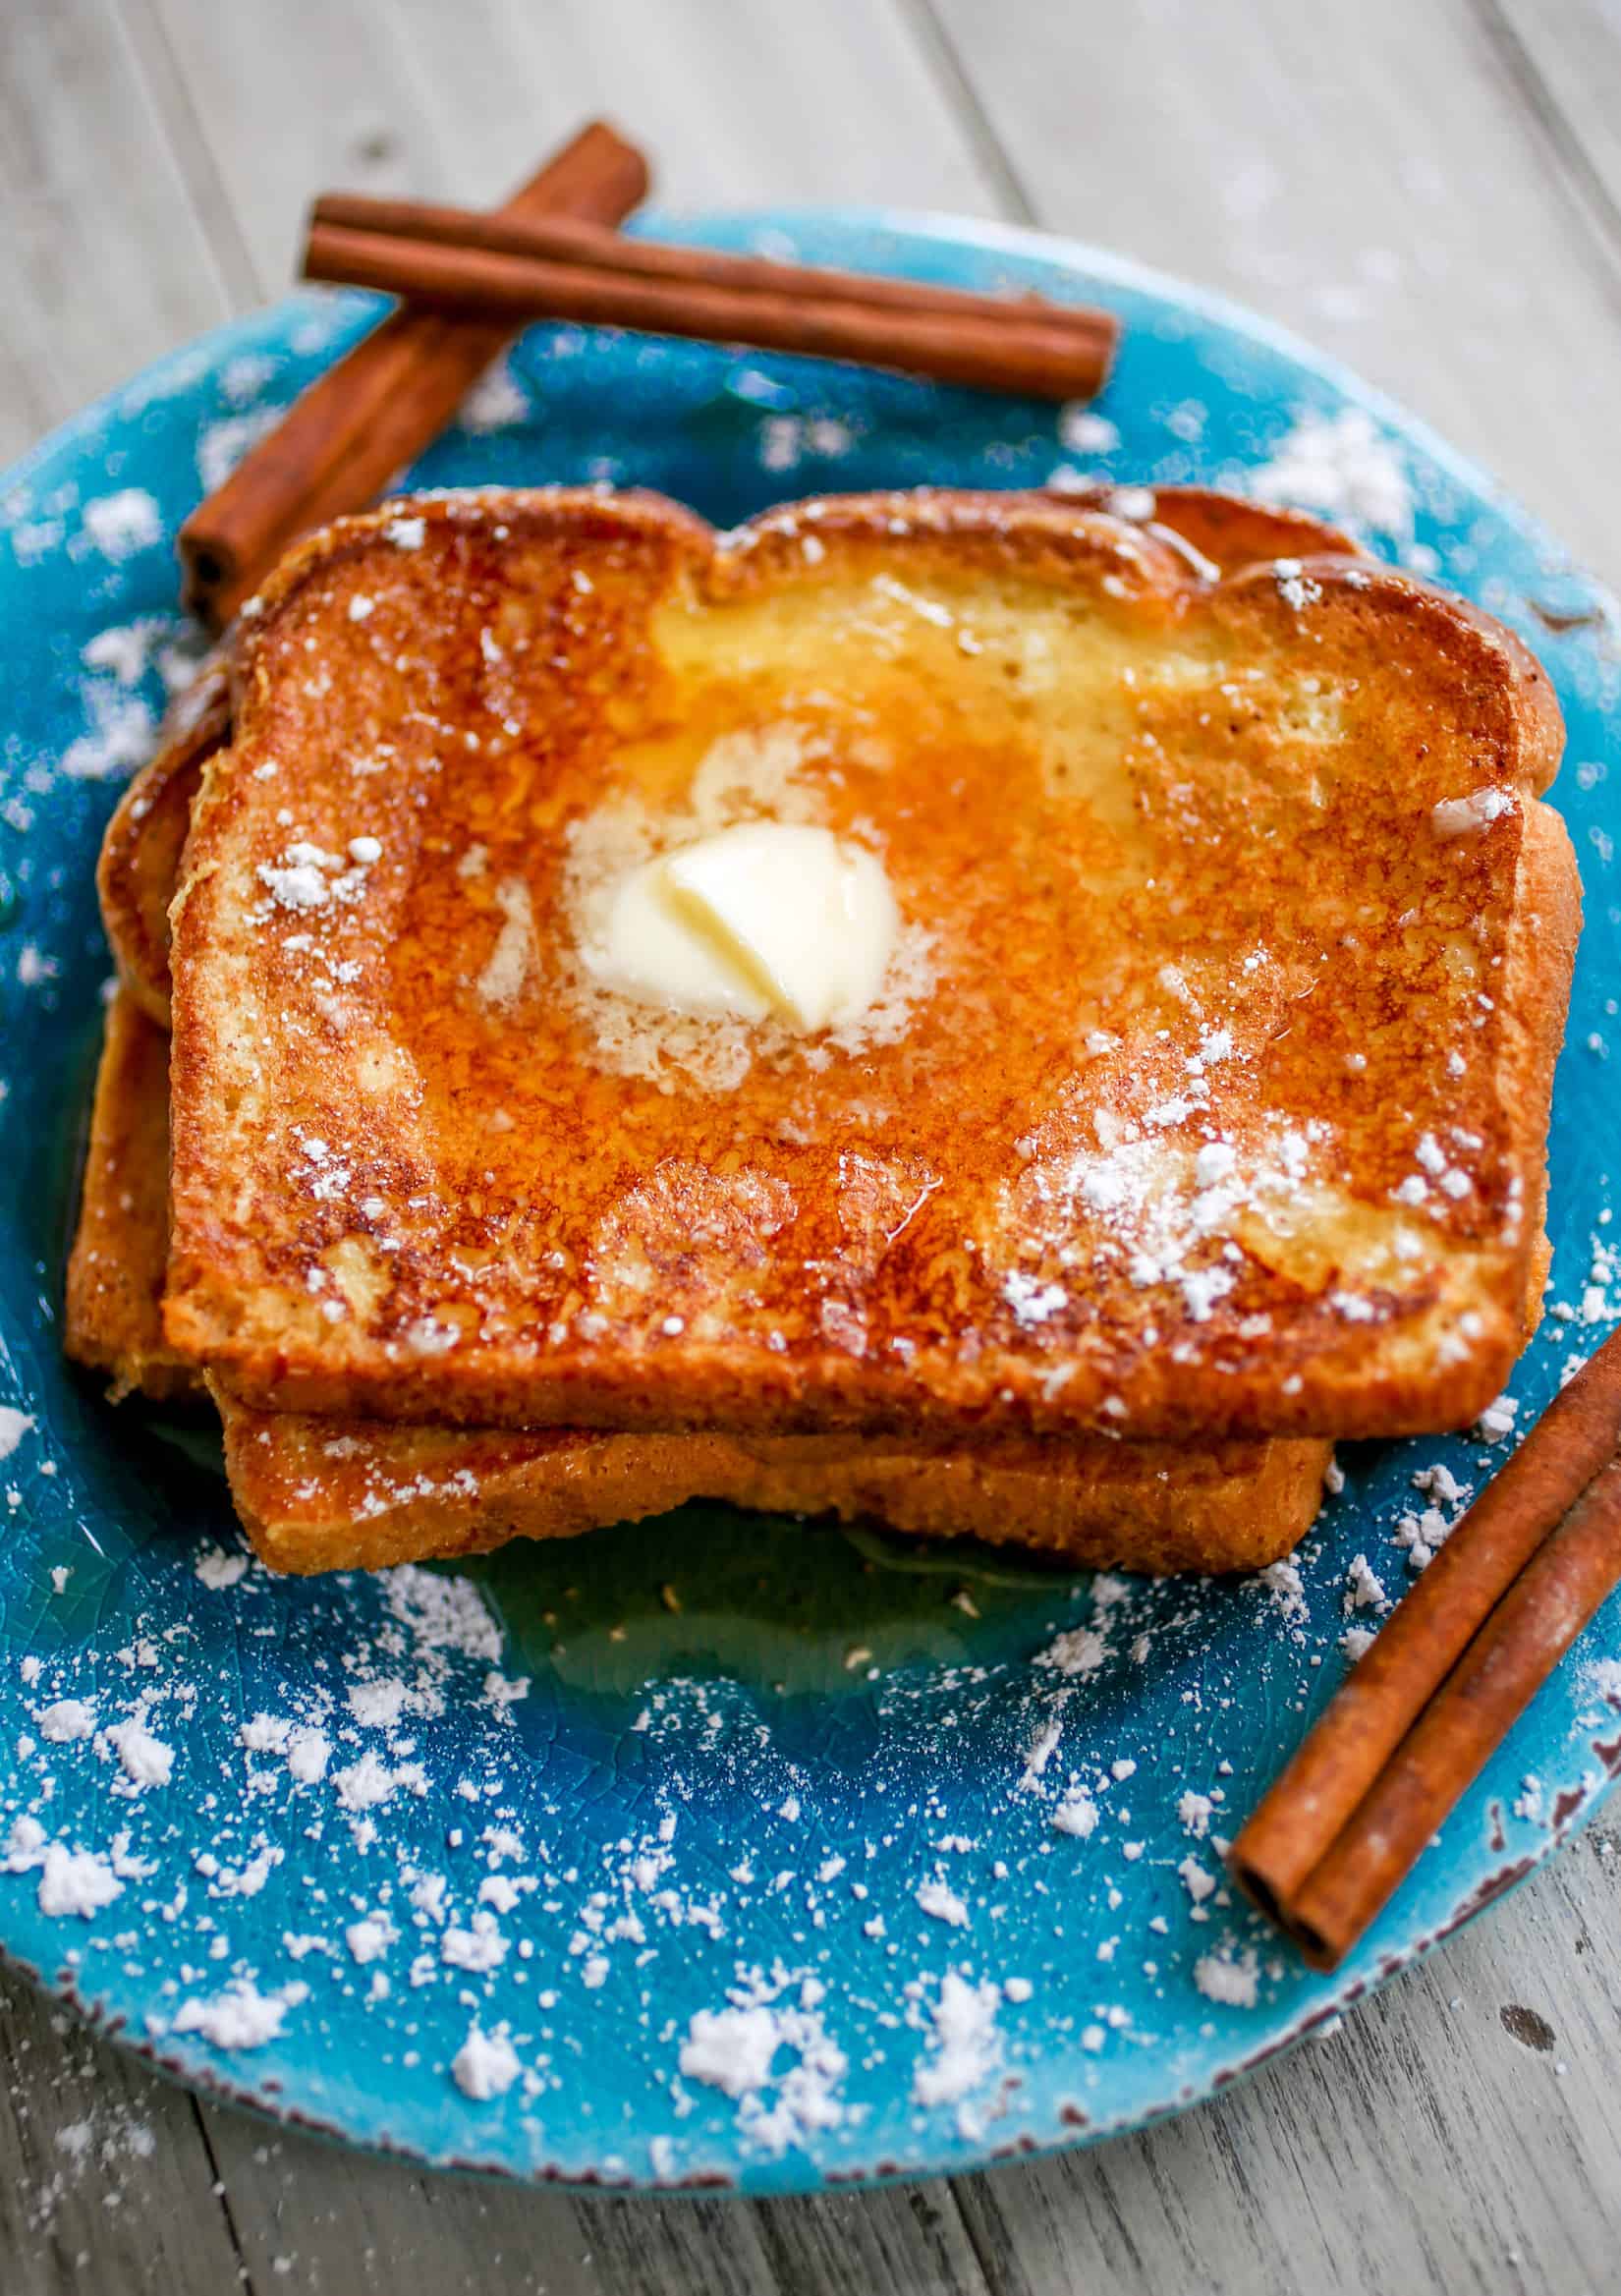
(1431, 188)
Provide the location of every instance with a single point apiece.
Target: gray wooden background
(1431, 188)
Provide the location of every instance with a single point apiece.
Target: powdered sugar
(117, 739)
(1194, 1812)
(485, 2065)
(1466, 817)
(1364, 1589)
(1496, 1422)
(306, 879)
(1080, 1651)
(1345, 468)
(1082, 430)
(964, 2048)
(736, 2050)
(730, 2048)
(1604, 1679)
(218, 1570)
(145, 1759)
(122, 524)
(1076, 1814)
(239, 2017)
(222, 444)
(942, 1904)
(497, 400)
(1228, 1977)
(74, 1884)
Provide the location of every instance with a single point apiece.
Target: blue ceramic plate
(721, 1848)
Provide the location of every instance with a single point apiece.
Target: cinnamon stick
(992, 346)
(1493, 1683)
(564, 240)
(341, 442)
(1527, 1558)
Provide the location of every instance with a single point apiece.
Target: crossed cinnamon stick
(1453, 1667)
(455, 260)
(467, 281)
(345, 438)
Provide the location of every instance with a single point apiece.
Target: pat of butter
(770, 919)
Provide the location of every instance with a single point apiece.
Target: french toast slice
(321, 1495)
(113, 1311)
(1208, 1094)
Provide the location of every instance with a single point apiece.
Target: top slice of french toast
(1207, 1090)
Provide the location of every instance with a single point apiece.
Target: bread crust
(139, 862)
(139, 871)
(320, 1495)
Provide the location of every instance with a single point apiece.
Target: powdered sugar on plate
(474, 1880)
(14, 1425)
(119, 524)
(222, 445)
(1346, 468)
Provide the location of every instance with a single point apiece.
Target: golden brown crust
(113, 1318)
(321, 1495)
(138, 871)
(1226, 530)
(139, 863)
(1295, 746)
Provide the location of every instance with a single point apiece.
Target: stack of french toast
(1015, 1016)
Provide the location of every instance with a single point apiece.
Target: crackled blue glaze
(813, 1699)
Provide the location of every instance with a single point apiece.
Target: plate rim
(199, 2069)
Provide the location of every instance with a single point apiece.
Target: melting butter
(770, 919)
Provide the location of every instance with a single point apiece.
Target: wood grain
(107, 2180)
(1564, 60)
(104, 260)
(1431, 191)
(824, 103)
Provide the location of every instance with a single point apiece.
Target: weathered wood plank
(104, 262)
(276, 101)
(1371, 175)
(316, 2215)
(905, 2237)
(105, 2180)
(773, 101)
(1421, 2148)
(1564, 56)
(832, 104)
